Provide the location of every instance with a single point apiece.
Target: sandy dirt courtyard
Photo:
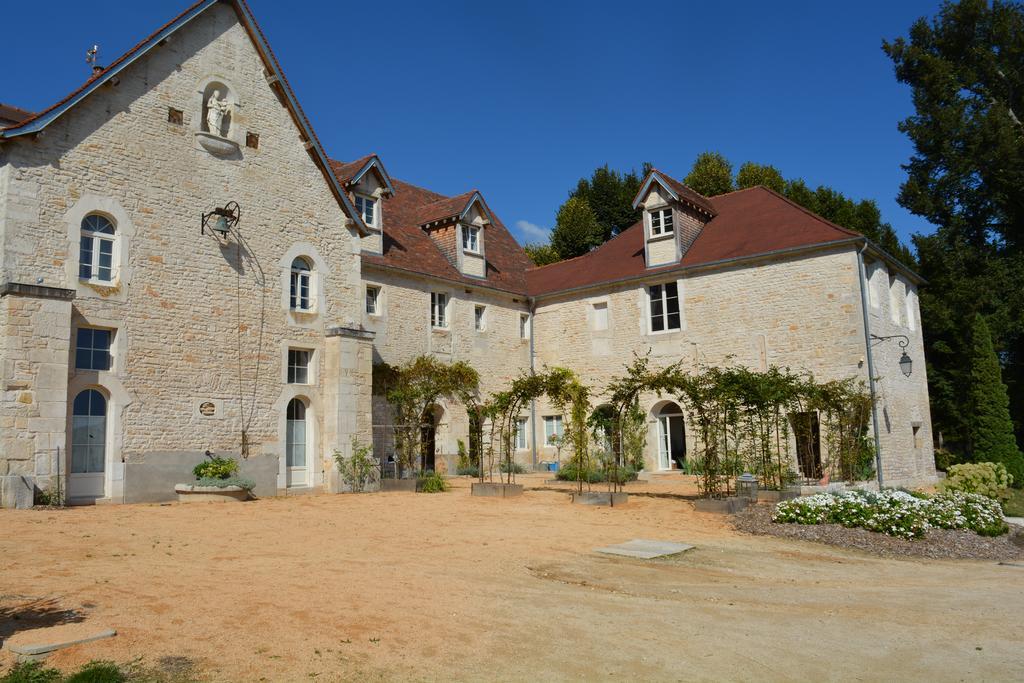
(403, 586)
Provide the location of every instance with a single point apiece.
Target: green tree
(966, 71)
(610, 194)
(990, 429)
(711, 174)
(541, 254)
(752, 175)
(576, 230)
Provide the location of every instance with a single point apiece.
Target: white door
(664, 443)
(87, 471)
(295, 444)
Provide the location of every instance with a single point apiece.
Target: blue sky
(521, 99)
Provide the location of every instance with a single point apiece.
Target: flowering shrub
(896, 513)
(987, 478)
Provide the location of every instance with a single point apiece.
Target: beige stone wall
(196, 317)
(803, 313)
(403, 331)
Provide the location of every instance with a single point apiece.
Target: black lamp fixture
(221, 219)
(906, 362)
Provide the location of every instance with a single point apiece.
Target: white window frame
(374, 299)
(479, 317)
(439, 310)
(96, 240)
(524, 325)
(664, 307)
(553, 424)
(599, 306)
(471, 239)
(302, 277)
(308, 368)
(665, 224)
(363, 202)
(522, 424)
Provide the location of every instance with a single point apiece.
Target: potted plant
(216, 480)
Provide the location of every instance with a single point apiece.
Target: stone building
(184, 270)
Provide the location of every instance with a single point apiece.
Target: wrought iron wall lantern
(906, 362)
(221, 220)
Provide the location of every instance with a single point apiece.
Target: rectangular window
(917, 436)
(521, 434)
(438, 309)
(552, 428)
(664, 307)
(92, 349)
(367, 208)
(601, 316)
(661, 222)
(524, 326)
(894, 309)
(96, 258)
(372, 300)
(298, 366)
(471, 239)
(299, 298)
(480, 318)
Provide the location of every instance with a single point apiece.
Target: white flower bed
(896, 513)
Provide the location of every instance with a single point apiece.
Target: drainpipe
(533, 402)
(870, 358)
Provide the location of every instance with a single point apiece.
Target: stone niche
(217, 114)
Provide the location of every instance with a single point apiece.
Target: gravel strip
(937, 544)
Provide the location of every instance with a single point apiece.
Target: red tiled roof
(11, 115)
(749, 222)
(448, 207)
(407, 246)
(687, 194)
(346, 171)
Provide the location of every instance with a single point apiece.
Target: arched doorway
(671, 436)
(87, 472)
(428, 437)
(296, 443)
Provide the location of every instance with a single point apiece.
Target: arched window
(295, 443)
(89, 433)
(96, 249)
(301, 298)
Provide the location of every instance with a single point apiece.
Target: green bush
(358, 469)
(432, 482)
(468, 470)
(896, 513)
(944, 459)
(216, 468)
(98, 672)
(31, 672)
(516, 468)
(571, 472)
(986, 478)
(241, 482)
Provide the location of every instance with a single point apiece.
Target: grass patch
(1014, 506)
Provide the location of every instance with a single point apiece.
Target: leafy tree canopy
(576, 229)
(711, 174)
(610, 195)
(542, 254)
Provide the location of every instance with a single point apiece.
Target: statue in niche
(216, 110)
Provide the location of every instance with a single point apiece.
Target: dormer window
(367, 208)
(471, 239)
(661, 222)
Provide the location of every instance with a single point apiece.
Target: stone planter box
(408, 485)
(492, 490)
(187, 493)
(600, 498)
(722, 506)
(777, 496)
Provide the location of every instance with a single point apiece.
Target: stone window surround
(124, 231)
(525, 327)
(312, 372)
(375, 225)
(483, 318)
(379, 310)
(118, 343)
(319, 275)
(315, 464)
(524, 422)
(645, 305)
(592, 304)
(118, 398)
(447, 311)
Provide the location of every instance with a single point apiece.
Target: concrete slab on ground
(42, 642)
(644, 549)
(1019, 521)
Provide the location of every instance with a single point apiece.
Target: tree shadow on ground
(23, 614)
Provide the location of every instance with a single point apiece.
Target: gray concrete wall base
(153, 479)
